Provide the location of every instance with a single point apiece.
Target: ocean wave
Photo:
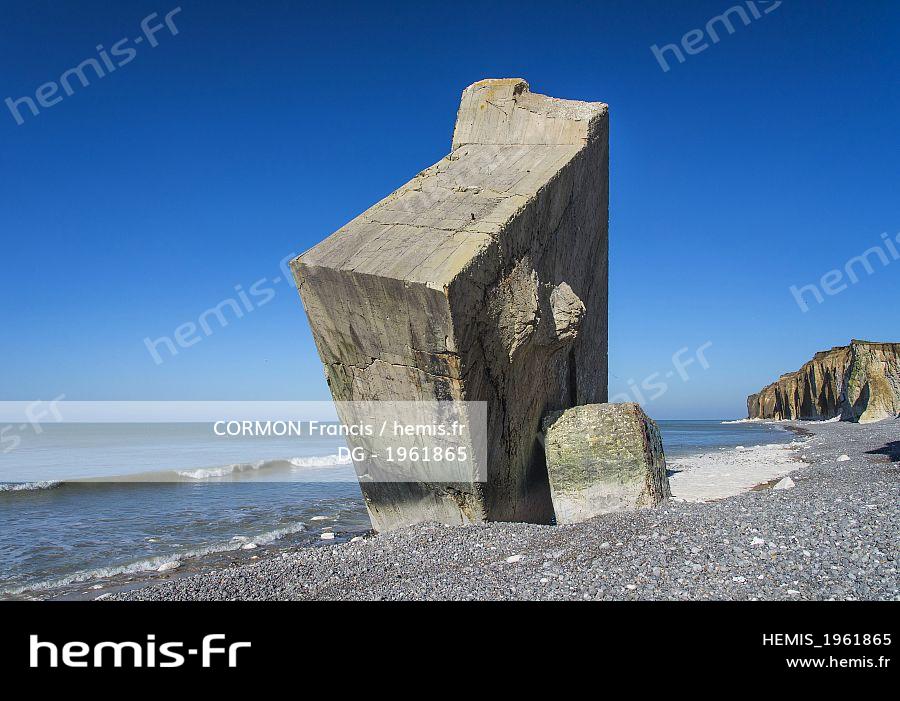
(291, 464)
(28, 486)
(225, 470)
(152, 564)
(322, 461)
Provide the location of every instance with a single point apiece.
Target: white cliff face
(873, 383)
(485, 279)
(859, 382)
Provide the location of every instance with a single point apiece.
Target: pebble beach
(829, 532)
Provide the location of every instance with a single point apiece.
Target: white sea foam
(292, 464)
(765, 422)
(155, 563)
(710, 476)
(28, 486)
(321, 461)
(204, 473)
(781, 421)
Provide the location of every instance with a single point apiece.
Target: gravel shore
(832, 536)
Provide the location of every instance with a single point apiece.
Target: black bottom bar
(653, 640)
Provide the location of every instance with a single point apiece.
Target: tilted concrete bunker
(484, 278)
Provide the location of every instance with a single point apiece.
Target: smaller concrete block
(603, 458)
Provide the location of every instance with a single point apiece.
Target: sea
(86, 509)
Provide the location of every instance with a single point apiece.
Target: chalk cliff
(859, 382)
(484, 279)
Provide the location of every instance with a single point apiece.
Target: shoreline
(126, 574)
(123, 578)
(832, 536)
(715, 475)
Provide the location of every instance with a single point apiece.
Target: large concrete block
(484, 278)
(603, 458)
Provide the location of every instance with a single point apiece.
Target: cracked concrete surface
(482, 279)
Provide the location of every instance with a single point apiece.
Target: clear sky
(130, 206)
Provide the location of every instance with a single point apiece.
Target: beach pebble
(328, 535)
(832, 540)
(249, 546)
(513, 559)
(167, 566)
(786, 483)
(843, 458)
(356, 539)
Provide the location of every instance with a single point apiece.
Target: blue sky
(133, 205)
